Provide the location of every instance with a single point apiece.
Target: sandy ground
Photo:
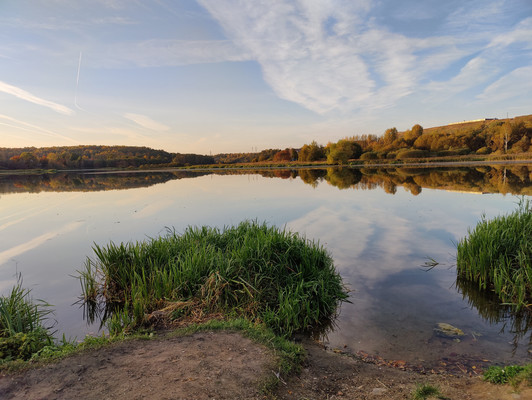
(225, 365)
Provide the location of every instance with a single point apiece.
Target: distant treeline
(508, 136)
(89, 157)
(490, 136)
(511, 136)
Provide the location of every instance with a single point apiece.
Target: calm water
(381, 226)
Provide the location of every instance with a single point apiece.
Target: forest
(93, 157)
(482, 138)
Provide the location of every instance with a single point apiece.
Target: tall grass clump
(497, 255)
(251, 270)
(22, 319)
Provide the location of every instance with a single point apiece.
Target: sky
(213, 76)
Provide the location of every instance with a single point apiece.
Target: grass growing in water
(22, 330)
(497, 255)
(251, 270)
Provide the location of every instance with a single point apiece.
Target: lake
(383, 226)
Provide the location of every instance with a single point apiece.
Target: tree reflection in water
(513, 179)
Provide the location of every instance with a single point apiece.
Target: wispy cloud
(146, 122)
(521, 34)
(165, 53)
(25, 126)
(27, 96)
(332, 55)
(516, 83)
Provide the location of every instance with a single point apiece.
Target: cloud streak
(25, 126)
(516, 83)
(27, 96)
(166, 53)
(146, 122)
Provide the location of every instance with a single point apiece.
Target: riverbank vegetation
(488, 139)
(497, 256)
(23, 330)
(252, 271)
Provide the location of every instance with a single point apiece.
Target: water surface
(380, 225)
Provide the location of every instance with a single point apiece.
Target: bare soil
(225, 365)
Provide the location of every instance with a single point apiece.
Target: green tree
(342, 151)
(311, 152)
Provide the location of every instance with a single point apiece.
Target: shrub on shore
(497, 255)
(22, 330)
(406, 154)
(513, 374)
(251, 270)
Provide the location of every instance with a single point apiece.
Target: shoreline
(227, 364)
(249, 167)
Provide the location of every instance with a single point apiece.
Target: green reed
(22, 319)
(497, 255)
(252, 270)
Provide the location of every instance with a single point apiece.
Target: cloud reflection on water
(12, 252)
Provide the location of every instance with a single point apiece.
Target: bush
(483, 150)
(501, 375)
(454, 152)
(411, 154)
(370, 155)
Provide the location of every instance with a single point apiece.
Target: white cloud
(476, 71)
(146, 122)
(24, 95)
(332, 55)
(516, 83)
(522, 33)
(304, 49)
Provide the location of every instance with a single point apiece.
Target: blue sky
(212, 76)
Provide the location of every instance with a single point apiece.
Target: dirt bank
(225, 365)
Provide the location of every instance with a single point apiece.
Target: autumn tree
(311, 152)
(390, 136)
(283, 155)
(411, 135)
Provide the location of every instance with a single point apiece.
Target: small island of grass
(250, 271)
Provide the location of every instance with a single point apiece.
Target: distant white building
(473, 120)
